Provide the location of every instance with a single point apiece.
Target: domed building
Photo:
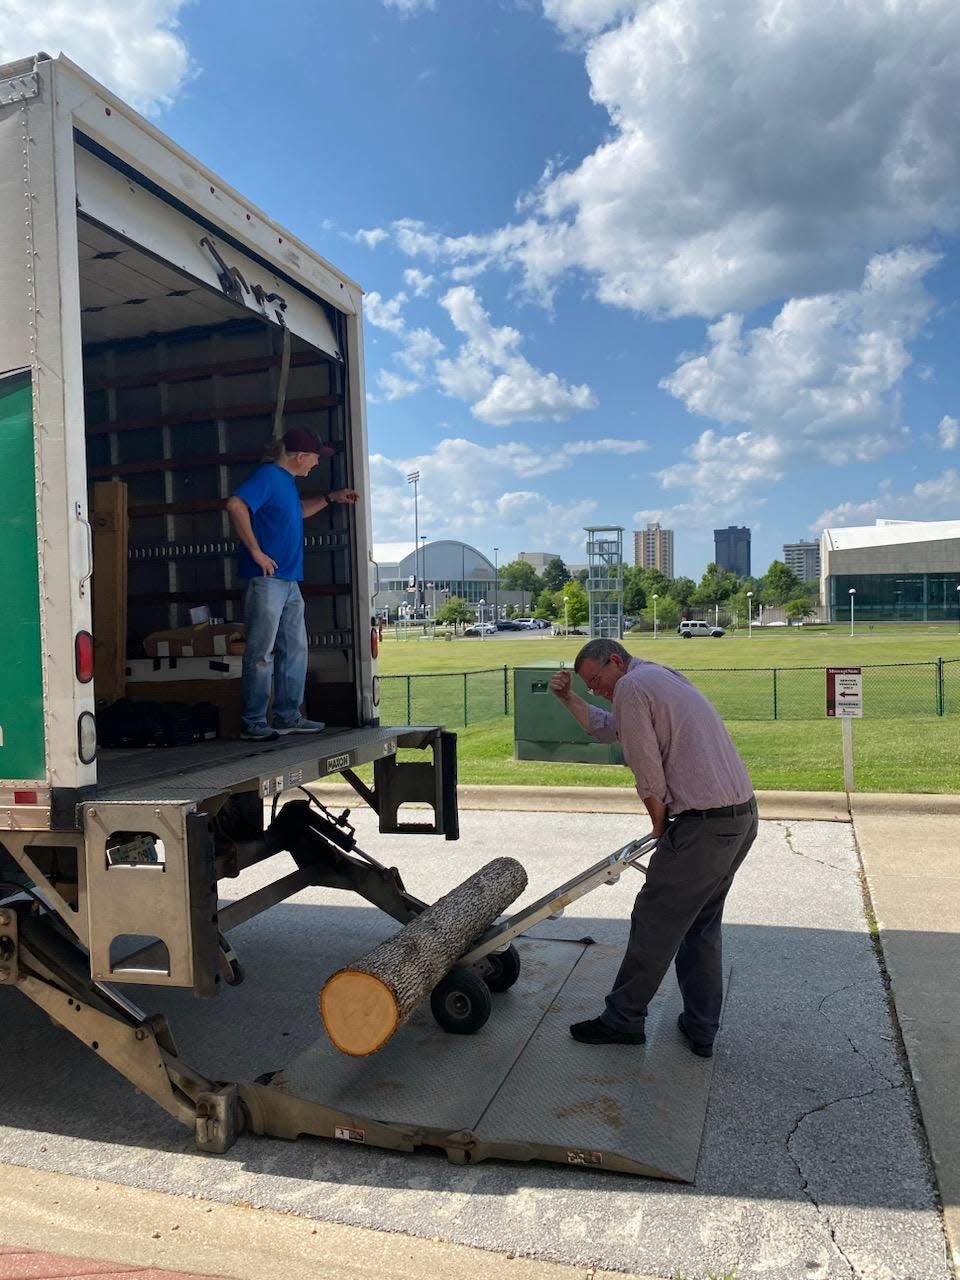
(445, 568)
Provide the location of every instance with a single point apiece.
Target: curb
(807, 806)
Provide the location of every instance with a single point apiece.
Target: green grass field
(901, 744)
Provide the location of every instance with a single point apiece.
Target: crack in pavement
(804, 1181)
(867, 1057)
(798, 853)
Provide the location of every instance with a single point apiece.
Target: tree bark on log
(364, 1004)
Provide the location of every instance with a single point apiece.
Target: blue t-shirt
(274, 501)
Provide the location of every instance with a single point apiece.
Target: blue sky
(686, 260)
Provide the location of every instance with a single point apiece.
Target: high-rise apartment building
(732, 549)
(653, 549)
(803, 558)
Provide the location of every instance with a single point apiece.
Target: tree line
(556, 595)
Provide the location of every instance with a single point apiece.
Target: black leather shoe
(596, 1031)
(702, 1048)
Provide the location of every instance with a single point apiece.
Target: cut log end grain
(364, 1004)
(359, 1012)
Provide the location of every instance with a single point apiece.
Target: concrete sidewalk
(855, 1150)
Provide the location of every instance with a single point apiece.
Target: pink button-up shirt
(673, 740)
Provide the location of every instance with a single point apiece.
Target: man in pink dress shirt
(700, 801)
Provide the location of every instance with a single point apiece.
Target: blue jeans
(275, 654)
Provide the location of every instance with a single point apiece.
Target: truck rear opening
(180, 390)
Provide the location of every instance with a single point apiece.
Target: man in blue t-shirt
(267, 514)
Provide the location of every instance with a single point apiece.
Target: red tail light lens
(83, 654)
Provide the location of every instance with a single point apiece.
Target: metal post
(496, 584)
(506, 692)
(852, 592)
(655, 599)
(774, 693)
(846, 736)
(464, 699)
(414, 479)
(409, 712)
(939, 686)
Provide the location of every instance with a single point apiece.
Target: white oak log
(363, 1005)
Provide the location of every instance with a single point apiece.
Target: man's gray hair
(600, 651)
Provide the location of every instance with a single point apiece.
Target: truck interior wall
(181, 413)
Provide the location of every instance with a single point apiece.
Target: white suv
(688, 629)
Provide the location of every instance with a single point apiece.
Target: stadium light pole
(852, 592)
(414, 479)
(655, 598)
(749, 615)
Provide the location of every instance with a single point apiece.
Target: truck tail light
(87, 737)
(83, 656)
(374, 641)
(24, 797)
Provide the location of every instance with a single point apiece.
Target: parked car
(533, 624)
(691, 627)
(509, 624)
(481, 629)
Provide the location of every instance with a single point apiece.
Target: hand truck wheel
(503, 969)
(461, 1002)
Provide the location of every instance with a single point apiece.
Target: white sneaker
(302, 726)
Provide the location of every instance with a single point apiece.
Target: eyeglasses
(591, 681)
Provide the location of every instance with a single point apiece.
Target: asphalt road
(812, 1162)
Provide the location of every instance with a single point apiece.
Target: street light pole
(749, 615)
(852, 592)
(655, 599)
(414, 479)
(481, 605)
(423, 569)
(496, 584)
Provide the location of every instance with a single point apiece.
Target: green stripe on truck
(22, 755)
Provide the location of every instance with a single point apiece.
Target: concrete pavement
(829, 1064)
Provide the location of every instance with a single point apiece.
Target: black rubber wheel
(461, 1003)
(504, 969)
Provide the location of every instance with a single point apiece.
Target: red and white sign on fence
(844, 691)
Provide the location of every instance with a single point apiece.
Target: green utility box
(543, 729)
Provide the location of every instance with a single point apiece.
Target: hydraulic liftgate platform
(521, 1089)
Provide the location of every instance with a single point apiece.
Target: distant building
(732, 549)
(897, 570)
(538, 559)
(803, 559)
(653, 549)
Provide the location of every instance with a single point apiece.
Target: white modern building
(905, 570)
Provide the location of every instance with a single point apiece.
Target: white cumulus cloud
(948, 432)
(935, 499)
(416, 281)
(131, 46)
(465, 485)
(407, 8)
(490, 371)
(819, 382)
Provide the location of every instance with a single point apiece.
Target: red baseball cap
(303, 440)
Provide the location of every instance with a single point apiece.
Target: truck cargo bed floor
(191, 773)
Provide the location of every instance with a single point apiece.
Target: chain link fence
(890, 691)
(448, 698)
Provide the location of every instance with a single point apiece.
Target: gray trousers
(677, 916)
